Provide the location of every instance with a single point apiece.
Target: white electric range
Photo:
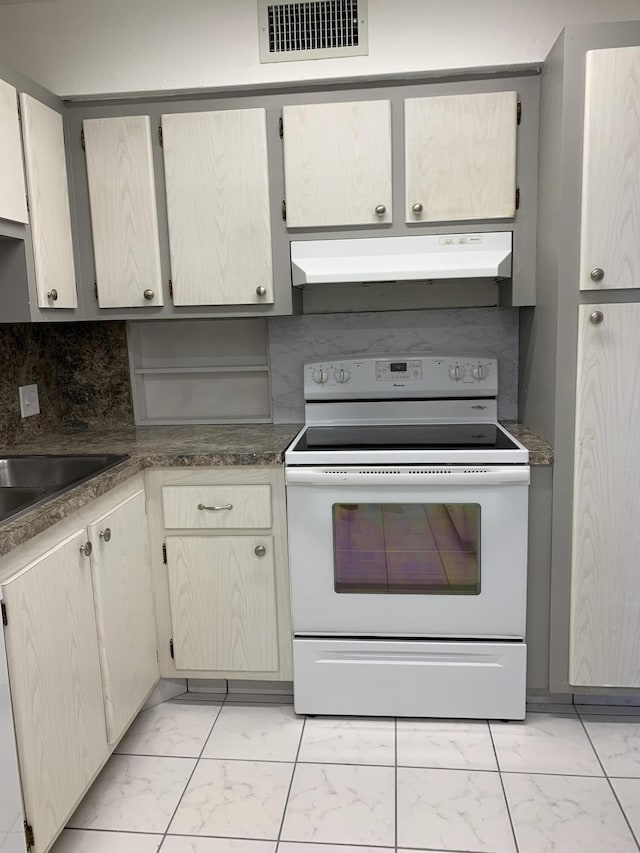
(407, 512)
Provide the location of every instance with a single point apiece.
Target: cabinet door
(223, 603)
(605, 582)
(54, 671)
(610, 240)
(46, 164)
(124, 218)
(121, 569)
(460, 157)
(337, 163)
(217, 186)
(13, 200)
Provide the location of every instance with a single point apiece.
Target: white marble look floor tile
(301, 847)
(439, 743)
(562, 814)
(238, 799)
(545, 743)
(91, 841)
(192, 844)
(335, 740)
(628, 792)
(452, 810)
(134, 792)
(255, 733)
(617, 741)
(341, 804)
(172, 728)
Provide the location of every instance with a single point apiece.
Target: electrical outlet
(29, 402)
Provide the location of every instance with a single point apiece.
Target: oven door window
(428, 549)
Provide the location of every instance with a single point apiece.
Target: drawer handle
(215, 508)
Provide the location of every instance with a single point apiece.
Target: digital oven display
(398, 367)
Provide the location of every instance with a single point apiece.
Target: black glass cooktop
(405, 437)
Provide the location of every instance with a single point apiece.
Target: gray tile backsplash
(488, 332)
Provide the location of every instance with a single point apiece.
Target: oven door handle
(497, 475)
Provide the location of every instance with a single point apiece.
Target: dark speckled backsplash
(82, 373)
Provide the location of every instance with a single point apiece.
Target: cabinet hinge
(160, 137)
(4, 613)
(82, 140)
(19, 108)
(95, 290)
(281, 127)
(284, 210)
(27, 200)
(517, 198)
(28, 835)
(519, 112)
(164, 553)
(170, 288)
(171, 649)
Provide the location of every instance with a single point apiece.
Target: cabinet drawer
(216, 507)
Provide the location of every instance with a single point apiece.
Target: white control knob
(342, 375)
(454, 373)
(320, 376)
(478, 372)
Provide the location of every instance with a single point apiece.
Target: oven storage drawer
(398, 678)
(216, 507)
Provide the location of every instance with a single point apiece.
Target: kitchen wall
(82, 373)
(472, 331)
(83, 47)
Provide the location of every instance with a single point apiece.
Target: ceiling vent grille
(316, 30)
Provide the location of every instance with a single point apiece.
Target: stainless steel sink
(13, 498)
(27, 481)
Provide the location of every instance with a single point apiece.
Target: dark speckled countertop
(167, 447)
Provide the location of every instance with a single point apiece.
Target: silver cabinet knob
(260, 550)
(105, 534)
(86, 549)
(52, 295)
(149, 294)
(596, 317)
(597, 274)
(417, 207)
(380, 209)
(261, 290)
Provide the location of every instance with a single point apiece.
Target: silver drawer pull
(215, 508)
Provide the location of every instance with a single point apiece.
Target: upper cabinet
(337, 161)
(610, 239)
(13, 200)
(48, 185)
(217, 185)
(124, 216)
(460, 157)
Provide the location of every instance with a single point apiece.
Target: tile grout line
(206, 740)
(606, 776)
(293, 773)
(504, 792)
(395, 787)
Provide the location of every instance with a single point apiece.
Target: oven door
(408, 552)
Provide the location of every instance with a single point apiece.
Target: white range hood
(419, 258)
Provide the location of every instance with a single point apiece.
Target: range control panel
(403, 377)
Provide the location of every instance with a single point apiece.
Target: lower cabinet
(223, 602)
(56, 689)
(605, 583)
(81, 650)
(221, 572)
(121, 574)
